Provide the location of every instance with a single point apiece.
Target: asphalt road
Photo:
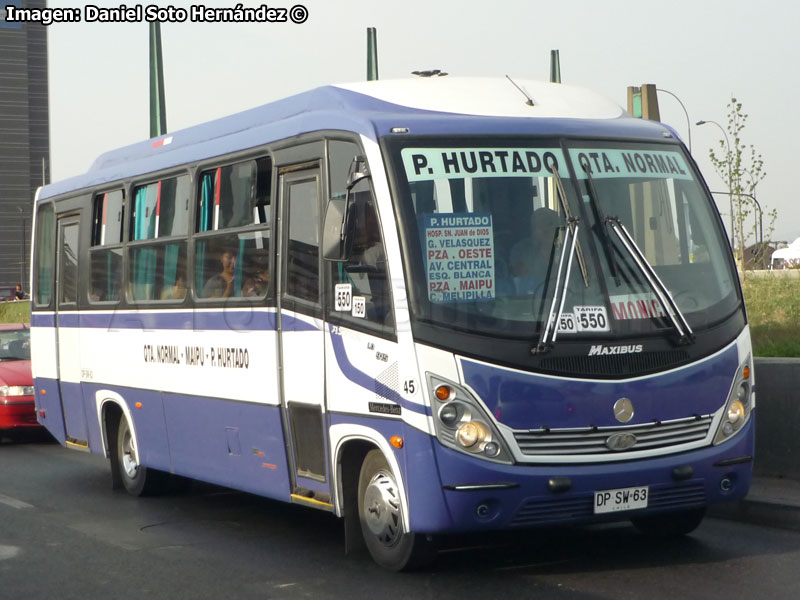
(65, 534)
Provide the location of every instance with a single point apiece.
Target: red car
(17, 410)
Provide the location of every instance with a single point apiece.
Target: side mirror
(335, 245)
(358, 171)
(333, 238)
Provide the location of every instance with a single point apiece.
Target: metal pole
(372, 54)
(22, 253)
(760, 214)
(158, 107)
(730, 182)
(688, 122)
(555, 67)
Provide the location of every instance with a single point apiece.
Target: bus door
(68, 332)
(301, 335)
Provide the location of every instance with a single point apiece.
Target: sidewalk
(772, 502)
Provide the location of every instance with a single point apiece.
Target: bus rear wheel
(138, 480)
(672, 524)
(382, 517)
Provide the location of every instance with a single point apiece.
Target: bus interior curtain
(204, 224)
(144, 273)
(237, 272)
(171, 252)
(145, 202)
(144, 259)
(206, 201)
(110, 293)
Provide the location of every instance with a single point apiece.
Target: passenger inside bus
(176, 291)
(221, 284)
(258, 282)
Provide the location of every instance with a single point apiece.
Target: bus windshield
(490, 229)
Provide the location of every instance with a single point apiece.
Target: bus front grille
(600, 440)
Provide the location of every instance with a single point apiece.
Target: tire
(381, 515)
(674, 524)
(136, 479)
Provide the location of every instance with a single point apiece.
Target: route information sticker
(459, 256)
(584, 318)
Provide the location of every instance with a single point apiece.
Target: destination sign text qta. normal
(603, 163)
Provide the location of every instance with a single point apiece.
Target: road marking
(13, 502)
(7, 552)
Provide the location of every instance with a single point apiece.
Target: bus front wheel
(672, 524)
(137, 479)
(382, 516)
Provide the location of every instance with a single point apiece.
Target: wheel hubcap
(382, 509)
(130, 462)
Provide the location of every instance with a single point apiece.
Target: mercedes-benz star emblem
(623, 410)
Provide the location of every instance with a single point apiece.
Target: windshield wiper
(570, 219)
(601, 221)
(685, 334)
(550, 332)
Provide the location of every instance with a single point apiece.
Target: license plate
(632, 498)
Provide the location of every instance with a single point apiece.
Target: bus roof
(437, 105)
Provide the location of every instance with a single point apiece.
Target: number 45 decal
(410, 387)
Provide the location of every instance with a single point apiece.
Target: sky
(703, 51)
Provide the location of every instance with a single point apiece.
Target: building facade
(24, 137)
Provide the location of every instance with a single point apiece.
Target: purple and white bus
(428, 306)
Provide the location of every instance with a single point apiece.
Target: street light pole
(760, 212)
(686, 112)
(730, 179)
(753, 184)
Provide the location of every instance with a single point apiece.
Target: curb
(759, 511)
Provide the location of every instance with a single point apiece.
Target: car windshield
(15, 344)
(489, 228)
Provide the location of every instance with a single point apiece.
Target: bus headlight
(450, 414)
(735, 412)
(471, 433)
(739, 406)
(462, 423)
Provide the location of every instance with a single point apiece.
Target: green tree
(742, 168)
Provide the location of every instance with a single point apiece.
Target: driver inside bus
(530, 256)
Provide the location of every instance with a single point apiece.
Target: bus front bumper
(479, 495)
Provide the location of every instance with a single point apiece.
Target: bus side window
(45, 255)
(105, 253)
(160, 222)
(365, 270)
(233, 221)
(302, 248)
